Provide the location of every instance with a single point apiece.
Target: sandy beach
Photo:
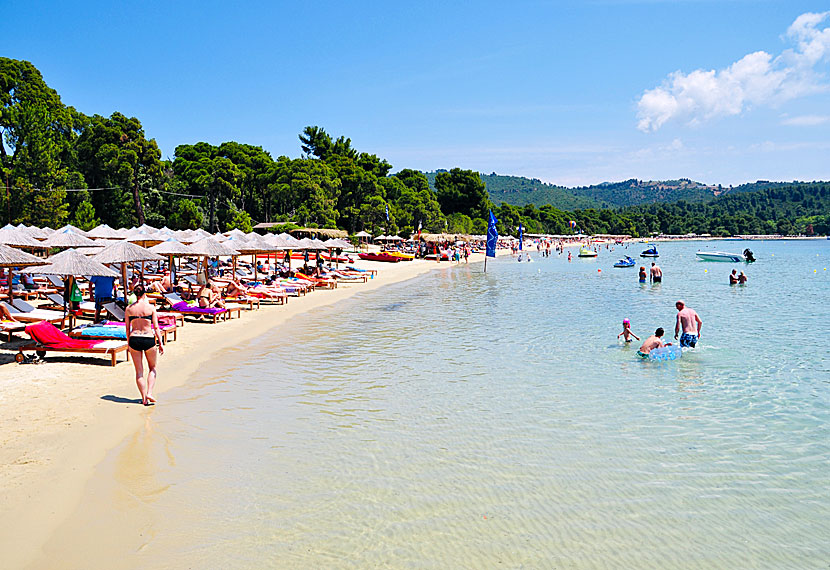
(59, 419)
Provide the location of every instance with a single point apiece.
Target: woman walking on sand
(142, 324)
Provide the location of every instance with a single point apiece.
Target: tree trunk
(139, 209)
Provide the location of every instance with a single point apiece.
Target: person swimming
(652, 342)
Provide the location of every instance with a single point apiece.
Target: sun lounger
(34, 315)
(180, 306)
(48, 338)
(117, 314)
(10, 327)
(117, 330)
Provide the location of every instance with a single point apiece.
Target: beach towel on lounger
(47, 334)
(184, 307)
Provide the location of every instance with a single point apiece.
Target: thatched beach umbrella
(70, 264)
(11, 258)
(12, 236)
(103, 232)
(73, 228)
(172, 247)
(256, 244)
(209, 247)
(67, 238)
(125, 252)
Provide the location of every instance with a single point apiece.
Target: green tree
(207, 173)
(186, 215)
(84, 217)
(462, 191)
(114, 153)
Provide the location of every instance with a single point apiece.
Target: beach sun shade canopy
(73, 228)
(211, 248)
(291, 241)
(103, 232)
(256, 245)
(277, 241)
(67, 238)
(70, 262)
(335, 243)
(11, 257)
(362, 234)
(125, 252)
(171, 246)
(141, 236)
(13, 236)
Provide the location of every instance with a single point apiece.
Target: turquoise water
(470, 420)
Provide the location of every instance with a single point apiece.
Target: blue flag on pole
(492, 236)
(387, 212)
(521, 236)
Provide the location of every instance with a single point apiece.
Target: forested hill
(520, 191)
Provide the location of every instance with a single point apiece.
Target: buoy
(706, 271)
(599, 270)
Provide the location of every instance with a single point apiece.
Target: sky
(570, 92)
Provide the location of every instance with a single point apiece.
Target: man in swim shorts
(652, 342)
(656, 273)
(688, 319)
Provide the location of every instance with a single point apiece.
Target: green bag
(75, 296)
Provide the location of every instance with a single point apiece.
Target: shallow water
(471, 420)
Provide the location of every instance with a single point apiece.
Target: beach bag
(75, 296)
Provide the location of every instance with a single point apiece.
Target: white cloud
(805, 120)
(754, 80)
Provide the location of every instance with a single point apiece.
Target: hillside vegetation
(61, 165)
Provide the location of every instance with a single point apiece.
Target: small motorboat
(585, 252)
(625, 262)
(650, 252)
(380, 257)
(720, 256)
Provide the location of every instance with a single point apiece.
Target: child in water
(626, 332)
(642, 276)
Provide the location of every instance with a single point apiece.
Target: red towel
(49, 335)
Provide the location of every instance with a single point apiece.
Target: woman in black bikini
(142, 326)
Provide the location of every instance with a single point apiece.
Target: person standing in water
(626, 332)
(690, 322)
(656, 273)
(742, 278)
(733, 277)
(144, 341)
(642, 274)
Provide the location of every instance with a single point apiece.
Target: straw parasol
(125, 252)
(209, 247)
(11, 258)
(73, 228)
(171, 247)
(11, 235)
(70, 262)
(103, 232)
(67, 237)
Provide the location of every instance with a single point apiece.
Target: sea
(472, 419)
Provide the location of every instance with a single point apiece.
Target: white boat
(719, 256)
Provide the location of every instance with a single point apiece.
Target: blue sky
(569, 92)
